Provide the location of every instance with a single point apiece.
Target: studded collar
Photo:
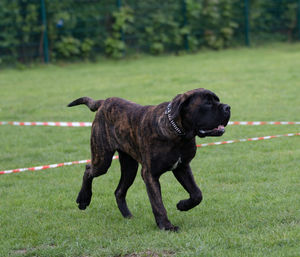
(172, 122)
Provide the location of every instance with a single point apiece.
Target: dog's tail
(89, 102)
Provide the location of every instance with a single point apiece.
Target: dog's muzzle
(220, 130)
(216, 132)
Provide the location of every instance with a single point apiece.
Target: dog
(159, 137)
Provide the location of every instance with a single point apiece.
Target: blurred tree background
(43, 30)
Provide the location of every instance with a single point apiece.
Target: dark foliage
(77, 29)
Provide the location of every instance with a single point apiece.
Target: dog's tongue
(220, 127)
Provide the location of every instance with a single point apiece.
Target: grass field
(251, 190)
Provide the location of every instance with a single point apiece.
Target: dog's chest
(175, 165)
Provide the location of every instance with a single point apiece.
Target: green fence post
(185, 21)
(45, 35)
(119, 5)
(299, 19)
(247, 27)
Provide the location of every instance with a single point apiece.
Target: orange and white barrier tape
(257, 123)
(51, 166)
(89, 124)
(48, 123)
(249, 139)
(116, 157)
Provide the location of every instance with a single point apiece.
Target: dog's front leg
(154, 194)
(185, 177)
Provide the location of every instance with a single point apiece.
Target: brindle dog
(160, 138)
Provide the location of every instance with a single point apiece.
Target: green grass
(251, 190)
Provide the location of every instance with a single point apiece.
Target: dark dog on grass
(160, 138)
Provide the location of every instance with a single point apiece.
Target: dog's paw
(168, 227)
(171, 228)
(83, 199)
(182, 206)
(128, 216)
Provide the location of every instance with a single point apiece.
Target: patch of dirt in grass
(20, 251)
(149, 254)
(26, 251)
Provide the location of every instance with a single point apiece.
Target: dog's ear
(182, 100)
(177, 104)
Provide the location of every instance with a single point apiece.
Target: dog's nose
(226, 108)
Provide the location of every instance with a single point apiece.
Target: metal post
(45, 35)
(298, 19)
(119, 5)
(247, 27)
(185, 21)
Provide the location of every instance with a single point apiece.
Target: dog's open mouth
(216, 132)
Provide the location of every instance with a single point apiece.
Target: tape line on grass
(116, 157)
(89, 124)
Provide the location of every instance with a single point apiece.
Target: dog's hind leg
(129, 168)
(99, 166)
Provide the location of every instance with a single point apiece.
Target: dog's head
(200, 112)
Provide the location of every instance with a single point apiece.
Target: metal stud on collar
(172, 122)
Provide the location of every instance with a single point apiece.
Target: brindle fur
(143, 134)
